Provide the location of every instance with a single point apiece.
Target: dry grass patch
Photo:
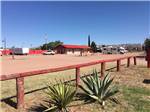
(134, 95)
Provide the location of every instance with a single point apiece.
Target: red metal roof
(76, 46)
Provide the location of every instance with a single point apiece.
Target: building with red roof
(72, 49)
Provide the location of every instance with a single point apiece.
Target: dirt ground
(36, 62)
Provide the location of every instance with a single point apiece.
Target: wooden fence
(20, 76)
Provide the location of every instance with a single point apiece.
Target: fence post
(20, 92)
(135, 61)
(128, 62)
(148, 63)
(148, 57)
(102, 69)
(118, 65)
(77, 76)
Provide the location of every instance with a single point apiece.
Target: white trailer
(20, 51)
(107, 50)
(113, 50)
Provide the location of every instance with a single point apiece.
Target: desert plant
(97, 89)
(60, 96)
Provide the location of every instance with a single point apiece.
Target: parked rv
(122, 50)
(20, 51)
(113, 50)
(107, 50)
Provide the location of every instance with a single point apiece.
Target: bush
(93, 46)
(147, 43)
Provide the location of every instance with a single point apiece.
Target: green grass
(137, 97)
(132, 99)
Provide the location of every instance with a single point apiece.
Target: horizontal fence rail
(44, 71)
(20, 76)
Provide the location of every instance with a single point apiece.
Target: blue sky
(26, 23)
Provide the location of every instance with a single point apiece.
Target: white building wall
(69, 52)
(73, 52)
(77, 52)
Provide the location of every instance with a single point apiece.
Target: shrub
(60, 96)
(98, 90)
(93, 46)
(147, 43)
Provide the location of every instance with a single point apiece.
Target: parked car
(49, 52)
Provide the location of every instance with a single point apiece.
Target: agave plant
(97, 89)
(60, 96)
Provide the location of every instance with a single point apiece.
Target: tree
(51, 45)
(36, 48)
(89, 41)
(93, 46)
(147, 43)
(103, 45)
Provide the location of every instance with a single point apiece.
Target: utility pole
(22, 44)
(30, 46)
(4, 41)
(13, 49)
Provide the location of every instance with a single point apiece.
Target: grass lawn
(137, 98)
(132, 99)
